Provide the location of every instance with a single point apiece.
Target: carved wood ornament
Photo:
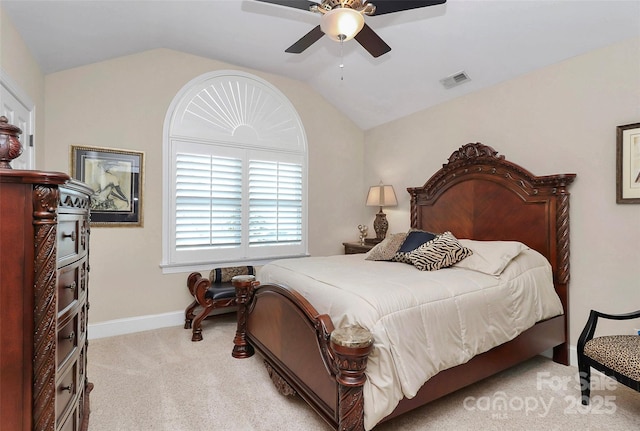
(45, 199)
(10, 146)
(245, 286)
(281, 384)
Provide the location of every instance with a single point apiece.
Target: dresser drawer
(72, 238)
(66, 390)
(77, 413)
(67, 341)
(72, 284)
(81, 403)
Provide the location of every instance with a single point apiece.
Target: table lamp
(381, 196)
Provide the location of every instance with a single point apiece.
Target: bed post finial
(351, 346)
(245, 285)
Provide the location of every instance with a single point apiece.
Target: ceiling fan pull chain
(341, 57)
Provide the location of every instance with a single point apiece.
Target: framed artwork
(117, 178)
(628, 164)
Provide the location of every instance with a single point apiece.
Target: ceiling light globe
(342, 21)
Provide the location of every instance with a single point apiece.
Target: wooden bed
(476, 195)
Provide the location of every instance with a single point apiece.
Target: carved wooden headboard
(480, 195)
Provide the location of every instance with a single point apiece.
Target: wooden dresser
(44, 255)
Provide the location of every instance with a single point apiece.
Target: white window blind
(275, 203)
(208, 201)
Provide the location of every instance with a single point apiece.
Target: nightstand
(356, 247)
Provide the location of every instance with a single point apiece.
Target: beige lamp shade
(381, 196)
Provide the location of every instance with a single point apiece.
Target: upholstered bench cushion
(620, 353)
(220, 291)
(224, 275)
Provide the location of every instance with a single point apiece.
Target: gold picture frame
(628, 164)
(117, 178)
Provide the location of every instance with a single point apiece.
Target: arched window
(235, 174)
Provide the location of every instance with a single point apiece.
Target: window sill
(175, 268)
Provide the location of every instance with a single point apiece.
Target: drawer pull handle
(68, 388)
(71, 235)
(71, 286)
(70, 337)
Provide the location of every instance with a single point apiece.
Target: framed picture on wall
(628, 164)
(117, 178)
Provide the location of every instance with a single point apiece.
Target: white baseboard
(573, 355)
(135, 324)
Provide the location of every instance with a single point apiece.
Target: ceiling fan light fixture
(342, 24)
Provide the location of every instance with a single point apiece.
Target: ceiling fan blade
(390, 6)
(305, 41)
(370, 41)
(297, 4)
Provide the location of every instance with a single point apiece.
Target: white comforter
(422, 322)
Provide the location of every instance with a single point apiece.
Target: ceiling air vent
(455, 80)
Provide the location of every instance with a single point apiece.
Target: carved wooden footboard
(476, 195)
(303, 353)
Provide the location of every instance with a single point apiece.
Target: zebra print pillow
(443, 251)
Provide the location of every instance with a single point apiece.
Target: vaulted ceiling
(492, 41)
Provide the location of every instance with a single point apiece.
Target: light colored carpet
(161, 381)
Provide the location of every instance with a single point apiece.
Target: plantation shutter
(208, 201)
(275, 203)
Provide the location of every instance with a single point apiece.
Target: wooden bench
(213, 293)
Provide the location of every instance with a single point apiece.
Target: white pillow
(490, 257)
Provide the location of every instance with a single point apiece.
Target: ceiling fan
(343, 20)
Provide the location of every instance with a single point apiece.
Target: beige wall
(561, 119)
(122, 103)
(17, 62)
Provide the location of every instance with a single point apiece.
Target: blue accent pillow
(415, 239)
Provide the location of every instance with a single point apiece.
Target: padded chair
(213, 293)
(617, 356)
